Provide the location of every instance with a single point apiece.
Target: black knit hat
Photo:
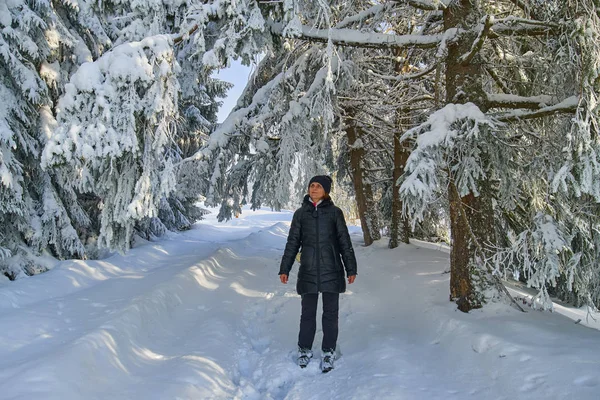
(324, 180)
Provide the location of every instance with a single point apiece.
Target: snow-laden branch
(452, 129)
(246, 116)
(569, 105)
(514, 101)
(465, 59)
(428, 5)
(361, 16)
(522, 27)
(184, 36)
(543, 255)
(237, 118)
(404, 77)
(516, 20)
(354, 38)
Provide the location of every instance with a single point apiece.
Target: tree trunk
(471, 218)
(371, 218)
(364, 194)
(462, 250)
(400, 229)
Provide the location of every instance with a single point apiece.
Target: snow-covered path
(202, 315)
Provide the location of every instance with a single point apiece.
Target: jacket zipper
(318, 253)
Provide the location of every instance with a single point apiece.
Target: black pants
(308, 320)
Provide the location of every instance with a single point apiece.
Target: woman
(320, 229)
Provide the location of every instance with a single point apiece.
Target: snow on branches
(239, 28)
(580, 172)
(443, 144)
(278, 130)
(543, 255)
(115, 127)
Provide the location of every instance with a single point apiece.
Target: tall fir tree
(44, 44)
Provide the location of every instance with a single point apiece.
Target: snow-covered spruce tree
(115, 126)
(505, 73)
(282, 140)
(43, 45)
(197, 106)
(198, 109)
(554, 241)
(553, 245)
(196, 112)
(37, 212)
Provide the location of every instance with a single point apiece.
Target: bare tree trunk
(471, 218)
(372, 216)
(364, 195)
(400, 229)
(462, 250)
(471, 229)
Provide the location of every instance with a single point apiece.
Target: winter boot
(327, 360)
(304, 356)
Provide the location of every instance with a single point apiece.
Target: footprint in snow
(586, 380)
(533, 382)
(483, 344)
(247, 363)
(260, 345)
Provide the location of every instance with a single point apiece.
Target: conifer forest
(471, 122)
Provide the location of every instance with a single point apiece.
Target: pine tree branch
(465, 59)
(180, 38)
(381, 180)
(516, 20)
(361, 16)
(522, 27)
(403, 77)
(567, 106)
(427, 5)
(498, 80)
(518, 102)
(354, 38)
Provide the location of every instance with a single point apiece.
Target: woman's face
(316, 191)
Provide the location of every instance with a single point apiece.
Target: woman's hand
(283, 278)
(351, 279)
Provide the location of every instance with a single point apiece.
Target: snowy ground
(202, 315)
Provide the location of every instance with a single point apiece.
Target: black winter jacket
(323, 235)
